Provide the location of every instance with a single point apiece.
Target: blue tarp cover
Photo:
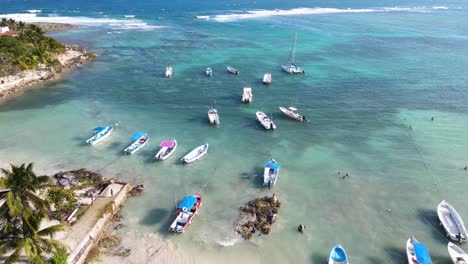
(137, 135)
(338, 254)
(187, 202)
(99, 129)
(422, 254)
(272, 165)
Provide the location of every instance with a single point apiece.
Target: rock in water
(257, 215)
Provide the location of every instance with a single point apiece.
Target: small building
(4, 29)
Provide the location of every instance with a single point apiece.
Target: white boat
(209, 72)
(291, 67)
(265, 120)
(232, 70)
(338, 255)
(196, 154)
(457, 254)
(452, 222)
(186, 211)
(140, 140)
(267, 78)
(292, 113)
(271, 173)
(417, 252)
(247, 95)
(168, 72)
(167, 149)
(213, 116)
(102, 133)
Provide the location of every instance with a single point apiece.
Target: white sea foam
(129, 16)
(86, 21)
(33, 11)
(229, 242)
(254, 14)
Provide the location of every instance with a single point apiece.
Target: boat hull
(292, 69)
(165, 153)
(270, 176)
(265, 121)
(266, 79)
(291, 114)
(457, 254)
(338, 256)
(196, 154)
(136, 146)
(185, 216)
(452, 222)
(232, 70)
(213, 117)
(96, 138)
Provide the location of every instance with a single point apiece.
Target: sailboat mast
(294, 48)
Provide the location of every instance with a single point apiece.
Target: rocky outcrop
(258, 216)
(81, 177)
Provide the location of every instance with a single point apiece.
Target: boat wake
(254, 14)
(118, 24)
(228, 242)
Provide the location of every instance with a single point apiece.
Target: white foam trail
(33, 11)
(129, 16)
(254, 14)
(86, 21)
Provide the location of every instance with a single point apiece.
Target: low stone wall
(79, 253)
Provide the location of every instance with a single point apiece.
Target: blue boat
(338, 255)
(271, 173)
(101, 134)
(140, 139)
(417, 252)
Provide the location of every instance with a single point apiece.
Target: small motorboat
(196, 154)
(102, 133)
(457, 254)
(232, 70)
(271, 173)
(267, 78)
(247, 95)
(209, 71)
(265, 120)
(292, 113)
(140, 139)
(417, 252)
(452, 222)
(213, 116)
(186, 211)
(168, 72)
(167, 149)
(338, 255)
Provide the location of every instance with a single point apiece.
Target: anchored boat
(186, 211)
(209, 72)
(292, 113)
(291, 67)
(271, 173)
(457, 254)
(213, 116)
(168, 72)
(140, 140)
(247, 95)
(452, 222)
(267, 78)
(417, 252)
(196, 154)
(167, 149)
(232, 70)
(265, 120)
(338, 255)
(102, 133)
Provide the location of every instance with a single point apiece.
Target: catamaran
(292, 113)
(271, 173)
(102, 133)
(167, 149)
(292, 68)
(140, 139)
(265, 120)
(247, 95)
(168, 72)
(209, 72)
(213, 116)
(186, 211)
(267, 78)
(232, 70)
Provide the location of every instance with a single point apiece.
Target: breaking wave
(254, 14)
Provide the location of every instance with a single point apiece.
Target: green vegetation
(64, 202)
(60, 257)
(21, 215)
(30, 48)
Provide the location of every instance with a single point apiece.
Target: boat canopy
(187, 202)
(247, 89)
(100, 129)
(138, 135)
(422, 254)
(168, 144)
(292, 108)
(272, 165)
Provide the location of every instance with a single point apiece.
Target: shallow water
(373, 81)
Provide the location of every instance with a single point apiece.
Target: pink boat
(167, 148)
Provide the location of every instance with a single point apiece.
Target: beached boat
(291, 67)
(265, 120)
(452, 222)
(168, 72)
(457, 254)
(186, 211)
(292, 113)
(338, 255)
(232, 70)
(140, 139)
(166, 150)
(271, 173)
(247, 95)
(417, 252)
(267, 78)
(196, 154)
(213, 116)
(209, 72)
(102, 133)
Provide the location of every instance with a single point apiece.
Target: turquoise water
(373, 81)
